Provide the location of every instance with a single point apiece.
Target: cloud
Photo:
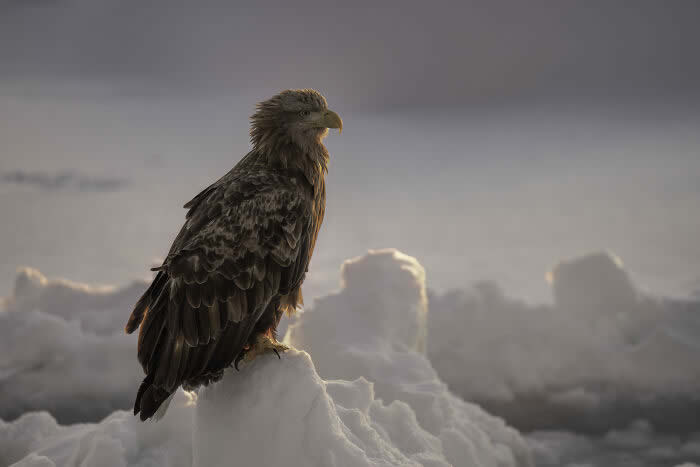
(443, 55)
(602, 355)
(66, 180)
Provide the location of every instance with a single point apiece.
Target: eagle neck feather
(308, 155)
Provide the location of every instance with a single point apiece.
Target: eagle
(238, 262)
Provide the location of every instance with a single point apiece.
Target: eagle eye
(304, 113)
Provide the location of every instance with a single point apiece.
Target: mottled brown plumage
(240, 259)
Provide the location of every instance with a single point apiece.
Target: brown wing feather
(246, 243)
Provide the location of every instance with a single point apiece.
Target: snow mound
(120, 440)
(382, 303)
(389, 409)
(280, 412)
(98, 309)
(637, 444)
(347, 335)
(273, 412)
(596, 358)
(63, 349)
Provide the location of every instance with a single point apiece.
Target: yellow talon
(264, 344)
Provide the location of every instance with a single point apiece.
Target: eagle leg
(264, 343)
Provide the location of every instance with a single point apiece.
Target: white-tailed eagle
(240, 259)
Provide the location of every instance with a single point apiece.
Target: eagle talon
(264, 344)
(238, 360)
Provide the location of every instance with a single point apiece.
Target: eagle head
(294, 116)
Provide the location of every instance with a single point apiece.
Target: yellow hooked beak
(330, 119)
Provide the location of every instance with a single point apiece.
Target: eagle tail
(149, 399)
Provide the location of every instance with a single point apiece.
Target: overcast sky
(524, 129)
(367, 55)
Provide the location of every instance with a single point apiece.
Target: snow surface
(280, 411)
(346, 335)
(602, 355)
(378, 397)
(63, 349)
(273, 412)
(36, 440)
(638, 444)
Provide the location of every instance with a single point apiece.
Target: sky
(396, 55)
(476, 132)
(490, 140)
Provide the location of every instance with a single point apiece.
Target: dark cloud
(66, 180)
(402, 54)
(601, 356)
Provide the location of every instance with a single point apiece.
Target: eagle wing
(247, 239)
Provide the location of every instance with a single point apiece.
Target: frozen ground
(63, 349)
(120, 440)
(370, 396)
(281, 411)
(603, 355)
(374, 327)
(274, 412)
